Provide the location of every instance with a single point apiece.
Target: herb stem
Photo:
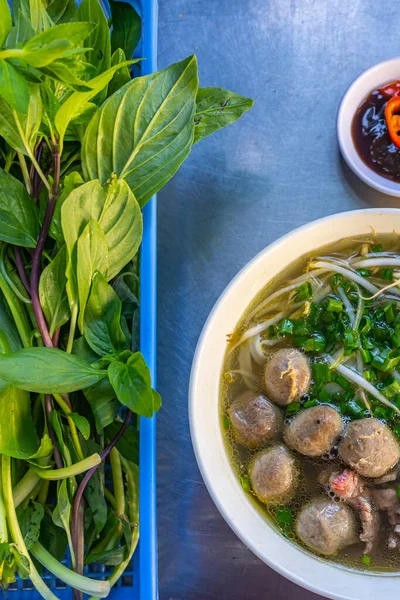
(76, 469)
(3, 518)
(86, 478)
(17, 312)
(25, 486)
(86, 585)
(25, 172)
(19, 263)
(72, 327)
(74, 432)
(37, 254)
(15, 531)
(118, 482)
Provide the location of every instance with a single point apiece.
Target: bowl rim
(352, 577)
(361, 169)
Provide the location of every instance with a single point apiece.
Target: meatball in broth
(369, 447)
(326, 527)
(287, 376)
(254, 420)
(273, 475)
(314, 431)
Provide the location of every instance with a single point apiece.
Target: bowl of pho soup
(295, 405)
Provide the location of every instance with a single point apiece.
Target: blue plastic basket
(140, 582)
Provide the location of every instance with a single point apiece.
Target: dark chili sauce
(370, 133)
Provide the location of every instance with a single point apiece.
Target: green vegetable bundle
(82, 148)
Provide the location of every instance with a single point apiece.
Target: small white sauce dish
(371, 79)
(305, 569)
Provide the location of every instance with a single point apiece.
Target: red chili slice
(392, 116)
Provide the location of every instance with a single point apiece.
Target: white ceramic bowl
(285, 557)
(372, 78)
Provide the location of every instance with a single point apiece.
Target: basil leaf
(5, 21)
(94, 492)
(71, 32)
(82, 424)
(8, 327)
(71, 182)
(61, 10)
(98, 42)
(115, 208)
(62, 514)
(102, 401)
(152, 135)
(132, 385)
(52, 538)
(61, 72)
(126, 27)
(112, 557)
(18, 437)
(21, 32)
(18, 214)
(29, 521)
(29, 123)
(128, 445)
(102, 322)
(71, 107)
(216, 108)
(52, 292)
(47, 371)
(92, 256)
(14, 87)
(126, 288)
(122, 75)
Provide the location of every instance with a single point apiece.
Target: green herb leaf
(216, 108)
(98, 42)
(112, 557)
(152, 135)
(5, 21)
(122, 74)
(21, 32)
(132, 385)
(74, 33)
(8, 327)
(18, 438)
(82, 424)
(53, 538)
(18, 214)
(52, 292)
(102, 322)
(126, 27)
(128, 445)
(14, 87)
(62, 514)
(47, 371)
(92, 256)
(102, 401)
(71, 182)
(115, 209)
(29, 521)
(61, 10)
(94, 492)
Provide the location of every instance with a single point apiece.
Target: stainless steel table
(240, 189)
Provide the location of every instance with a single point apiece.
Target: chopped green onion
(370, 375)
(321, 373)
(303, 292)
(351, 342)
(301, 327)
(355, 410)
(273, 332)
(366, 560)
(390, 312)
(310, 403)
(365, 355)
(342, 381)
(364, 272)
(316, 343)
(365, 324)
(336, 280)
(286, 327)
(387, 274)
(380, 412)
(227, 422)
(396, 429)
(333, 304)
(377, 248)
(324, 396)
(245, 483)
(292, 408)
(284, 517)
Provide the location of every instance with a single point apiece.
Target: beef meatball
(326, 526)
(254, 419)
(369, 447)
(314, 431)
(274, 475)
(286, 376)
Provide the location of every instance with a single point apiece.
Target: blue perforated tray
(140, 581)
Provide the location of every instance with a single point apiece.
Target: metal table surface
(240, 189)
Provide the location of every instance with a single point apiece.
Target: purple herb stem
(21, 269)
